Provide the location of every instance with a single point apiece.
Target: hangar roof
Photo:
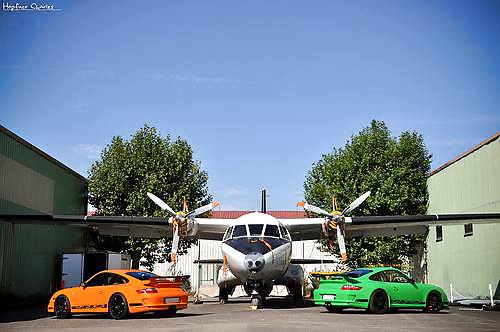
(40, 152)
(465, 154)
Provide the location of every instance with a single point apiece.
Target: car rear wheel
(433, 303)
(62, 307)
(379, 303)
(117, 306)
(333, 309)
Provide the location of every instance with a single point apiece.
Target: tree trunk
(136, 257)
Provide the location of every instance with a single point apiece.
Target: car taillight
(147, 291)
(350, 287)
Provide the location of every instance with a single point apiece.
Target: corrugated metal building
(467, 257)
(32, 182)
(206, 274)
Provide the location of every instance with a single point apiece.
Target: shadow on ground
(150, 315)
(19, 315)
(272, 302)
(392, 312)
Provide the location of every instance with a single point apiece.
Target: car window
(255, 230)
(376, 277)
(100, 279)
(117, 279)
(239, 230)
(142, 275)
(357, 273)
(284, 233)
(272, 230)
(395, 276)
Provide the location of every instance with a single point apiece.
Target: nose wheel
(257, 301)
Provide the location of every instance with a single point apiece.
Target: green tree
(393, 169)
(127, 170)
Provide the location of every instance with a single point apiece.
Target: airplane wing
(300, 229)
(212, 228)
(311, 228)
(150, 227)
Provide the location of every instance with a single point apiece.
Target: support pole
(199, 264)
(264, 203)
(451, 293)
(491, 295)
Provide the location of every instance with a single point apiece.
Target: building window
(439, 233)
(468, 230)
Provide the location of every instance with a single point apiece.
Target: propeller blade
(202, 209)
(161, 204)
(315, 209)
(340, 239)
(175, 245)
(357, 202)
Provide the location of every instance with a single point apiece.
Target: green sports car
(378, 290)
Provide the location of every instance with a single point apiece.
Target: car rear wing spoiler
(333, 276)
(168, 281)
(179, 278)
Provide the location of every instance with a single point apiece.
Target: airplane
(256, 247)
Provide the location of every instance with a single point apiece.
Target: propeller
(161, 204)
(179, 220)
(357, 202)
(202, 209)
(336, 220)
(315, 209)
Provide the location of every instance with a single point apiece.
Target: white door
(72, 270)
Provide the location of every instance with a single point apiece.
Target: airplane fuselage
(251, 258)
(257, 251)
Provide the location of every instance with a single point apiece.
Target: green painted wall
(29, 254)
(29, 264)
(470, 185)
(70, 191)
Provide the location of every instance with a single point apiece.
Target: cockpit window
(284, 233)
(239, 230)
(227, 235)
(255, 230)
(272, 230)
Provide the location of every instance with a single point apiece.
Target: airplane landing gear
(224, 294)
(257, 301)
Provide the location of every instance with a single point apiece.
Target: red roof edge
(465, 154)
(276, 214)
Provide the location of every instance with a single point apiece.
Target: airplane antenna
(264, 203)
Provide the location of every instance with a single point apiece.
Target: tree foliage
(127, 170)
(393, 169)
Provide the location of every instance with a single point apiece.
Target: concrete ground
(279, 315)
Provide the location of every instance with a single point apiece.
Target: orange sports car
(120, 292)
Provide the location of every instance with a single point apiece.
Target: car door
(403, 292)
(116, 284)
(92, 297)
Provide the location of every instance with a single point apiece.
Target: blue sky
(260, 89)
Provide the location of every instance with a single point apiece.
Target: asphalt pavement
(279, 315)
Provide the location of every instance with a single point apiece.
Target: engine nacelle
(293, 278)
(192, 228)
(226, 279)
(187, 226)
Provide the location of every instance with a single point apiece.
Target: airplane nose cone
(254, 262)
